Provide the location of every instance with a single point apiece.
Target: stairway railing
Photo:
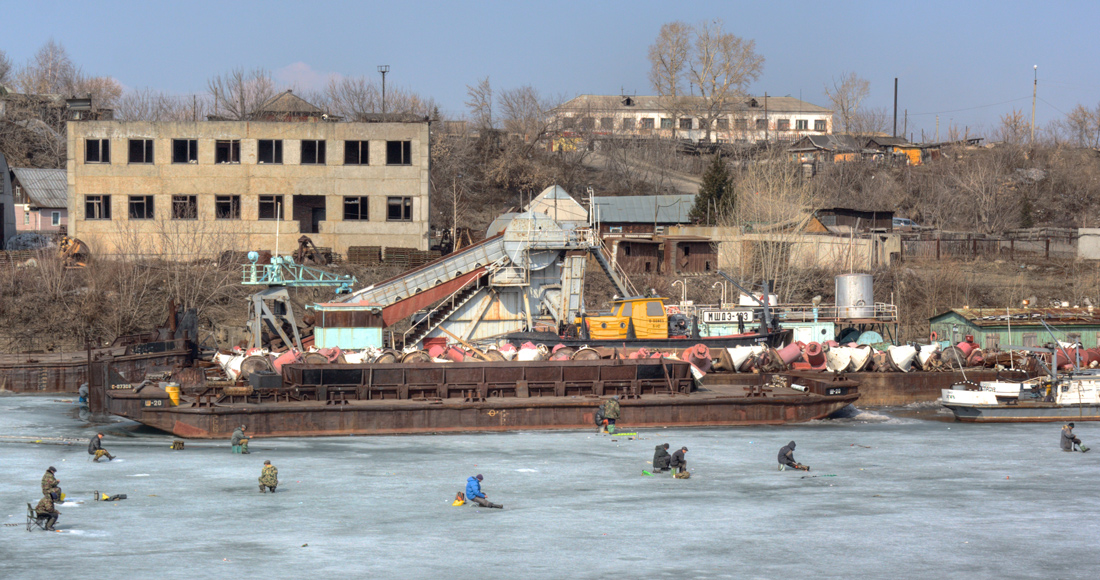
(448, 302)
(618, 275)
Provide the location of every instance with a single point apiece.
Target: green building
(994, 328)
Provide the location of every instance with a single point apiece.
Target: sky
(967, 62)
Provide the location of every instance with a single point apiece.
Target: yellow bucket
(173, 394)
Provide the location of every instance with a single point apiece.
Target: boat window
(628, 308)
(654, 309)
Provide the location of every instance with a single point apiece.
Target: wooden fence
(989, 248)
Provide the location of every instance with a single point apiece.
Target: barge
(384, 399)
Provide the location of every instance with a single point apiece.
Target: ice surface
(927, 499)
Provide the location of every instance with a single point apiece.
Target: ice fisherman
(679, 463)
(1070, 442)
(239, 441)
(46, 510)
(95, 447)
(269, 477)
(661, 458)
(610, 411)
(474, 493)
(49, 482)
(786, 458)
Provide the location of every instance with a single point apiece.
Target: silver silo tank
(855, 295)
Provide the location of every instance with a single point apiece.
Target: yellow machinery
(74, 252)
(631, 318)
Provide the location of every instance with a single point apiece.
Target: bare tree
(846, 95)
(104, 92)
(717, 63)
(480, 104)
(870, 121)
(238, 92)
(5, 67)
(1082, 126)
(1014, 128)
(49, 71)
(150, 105)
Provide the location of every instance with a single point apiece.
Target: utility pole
(383, 68)
(765, 116)
(1034, 92)
(895, 106)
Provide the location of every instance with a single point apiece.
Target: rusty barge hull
(385, 399)
(883, 389)
(413, 417)
(65, 372)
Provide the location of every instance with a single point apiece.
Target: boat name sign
(719, 316)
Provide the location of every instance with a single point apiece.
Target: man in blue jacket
(474, 493)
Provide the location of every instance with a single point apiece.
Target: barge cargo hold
(64, 372)
(315, 400)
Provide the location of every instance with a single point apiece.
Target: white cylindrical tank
(855, 296)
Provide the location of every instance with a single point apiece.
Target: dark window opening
(141, 150)
(666, 123)
(227, 207)
(399, 209)
(398, 152)
(141, 207)
(685, 124)
(654, 309)
(97, 151)
(185, 151)
(185, 207)
(783, 125)
(647, 123)
(569, 122)
(356, 153)
(801, 125)
(722, 124)
(97, 207)
(356, 208)
(227, 151)
(648, 267)
(270, 151)
(741, 124)
(628, 124)
(607, 123)
(819, 125)
(762, 124)
(626, 249)
(309, 212)
(313, 152)
(271, 207)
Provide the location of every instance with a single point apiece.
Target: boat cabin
(635, 317)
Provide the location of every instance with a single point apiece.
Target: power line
(968, 108)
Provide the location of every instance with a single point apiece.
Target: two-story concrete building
(749, 120)
(182, 190)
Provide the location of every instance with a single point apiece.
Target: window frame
(406, 205)
(666, 122)
(276, 151)
(146, 150)
(686, 123)
(278, 209)
(801, 125)
(55, 218)
(607, 123)
(783, 125)
(648, 123)
(233, 149)
(629, 124)
(821, 125)
(761, 124)
(405, 147)
(188, 201)
(103, 155)
(318, 152)
(361, 150)
(145, 202)
(234, 202)
(190, 153)
(721, 124)
(102, 201)
(362, 205)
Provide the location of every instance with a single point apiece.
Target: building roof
(835, 143)
(44, 187)
(661, 209)
(875, 142)
(555, 202)
(287, 102)
(998, 317)
(644, 103)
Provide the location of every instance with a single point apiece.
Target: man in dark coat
(1069, 440)
(46, 510)
(661, 458)
(786, 458)
(678, 461)
(95, 447)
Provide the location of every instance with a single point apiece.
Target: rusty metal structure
(463, 397)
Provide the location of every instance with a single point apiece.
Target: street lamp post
(383, 68)
(1034, 92)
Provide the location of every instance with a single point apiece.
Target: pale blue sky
(969, 61)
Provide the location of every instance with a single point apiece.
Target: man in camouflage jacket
(49, 482)
(269, 477)
(45, 509)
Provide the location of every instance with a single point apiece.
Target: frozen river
(906, 498)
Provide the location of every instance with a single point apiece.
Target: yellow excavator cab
(635, 317)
